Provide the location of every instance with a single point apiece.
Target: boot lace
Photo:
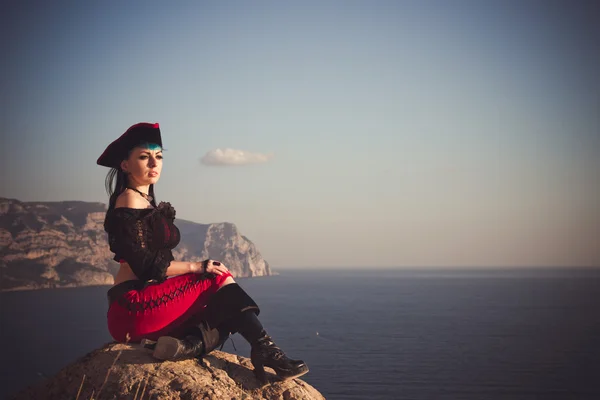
(225, 341)
(275, 352)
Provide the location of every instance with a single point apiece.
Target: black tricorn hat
(118, 150)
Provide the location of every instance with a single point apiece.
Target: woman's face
(143, 165)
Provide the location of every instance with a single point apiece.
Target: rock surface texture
(124, 371)
(63, 244)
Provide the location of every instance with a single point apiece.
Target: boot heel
(170, 348)
(166, 348)
(259, 372)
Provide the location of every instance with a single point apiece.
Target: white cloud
(224, 157)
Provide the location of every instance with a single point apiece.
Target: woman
(188, 308)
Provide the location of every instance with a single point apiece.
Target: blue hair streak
(150, 146)
(147, 146)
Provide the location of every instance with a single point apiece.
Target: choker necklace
(144, 195)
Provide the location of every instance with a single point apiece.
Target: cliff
(123, 371)
(63, 244)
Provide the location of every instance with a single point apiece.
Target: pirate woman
(186, 308)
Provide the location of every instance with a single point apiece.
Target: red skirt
(160, 309)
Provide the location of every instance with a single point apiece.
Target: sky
(332, 133)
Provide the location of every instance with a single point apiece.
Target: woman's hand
(213, 267)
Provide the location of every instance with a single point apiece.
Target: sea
(370, 333)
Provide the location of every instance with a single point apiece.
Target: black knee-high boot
(265, 352)
(231, 307)
(235, 310)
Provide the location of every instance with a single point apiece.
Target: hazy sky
(361, 133)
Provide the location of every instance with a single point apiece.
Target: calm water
(380, 334)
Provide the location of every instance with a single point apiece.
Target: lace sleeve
(130, 243)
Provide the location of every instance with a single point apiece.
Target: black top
(143, 238)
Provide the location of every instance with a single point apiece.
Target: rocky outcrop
(123, 371)
(63, 244)
(223, 242)
(53, 244)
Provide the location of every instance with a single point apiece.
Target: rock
(125, 371)
(223, 242)
(63, 244)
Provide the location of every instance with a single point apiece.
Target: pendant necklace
(144, 195)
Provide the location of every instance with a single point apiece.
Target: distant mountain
(63, 244)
